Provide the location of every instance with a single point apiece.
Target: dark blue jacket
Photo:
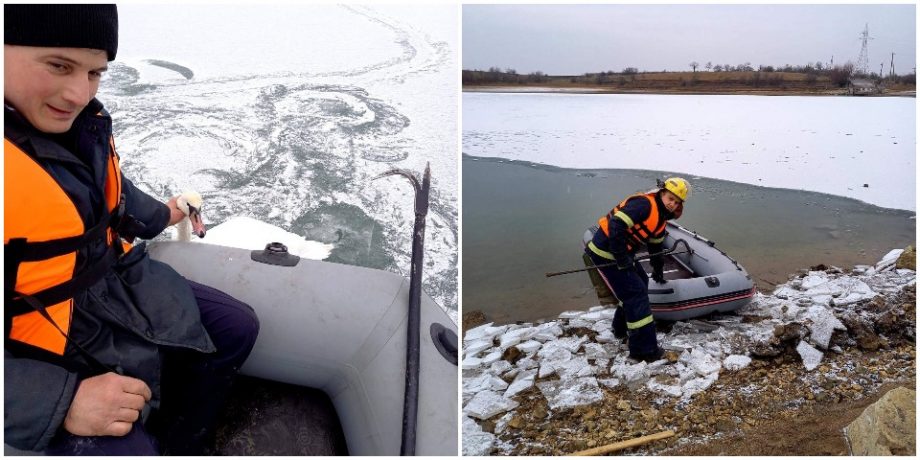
(638, 209)
(38, 393)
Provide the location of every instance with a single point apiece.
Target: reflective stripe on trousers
(631, 287)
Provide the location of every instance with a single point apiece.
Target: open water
(521, 220)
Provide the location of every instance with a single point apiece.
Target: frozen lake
(285, 114)
(862, 148)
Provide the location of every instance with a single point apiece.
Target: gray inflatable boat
(699, 278)
(340, 329)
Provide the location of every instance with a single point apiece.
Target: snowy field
(570, 371)
(862, 148)
(284, 114)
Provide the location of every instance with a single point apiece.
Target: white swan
(243, 232)
(190, 205)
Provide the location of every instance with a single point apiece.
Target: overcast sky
(575, 39)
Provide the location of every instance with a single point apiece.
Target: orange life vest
(638, 233)
(42, 234)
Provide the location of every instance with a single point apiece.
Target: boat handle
(445, 340)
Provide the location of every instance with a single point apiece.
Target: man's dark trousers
(194, 385)
(631, 287)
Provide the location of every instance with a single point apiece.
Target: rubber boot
(619, 323)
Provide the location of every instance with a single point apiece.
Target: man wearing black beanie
(97, 333)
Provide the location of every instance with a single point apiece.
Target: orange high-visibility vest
(42, 234)
(638, 233)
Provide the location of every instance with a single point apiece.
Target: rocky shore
(788, 370)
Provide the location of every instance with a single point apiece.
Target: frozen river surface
(862, 148)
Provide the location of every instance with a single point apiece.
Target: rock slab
(886, 427)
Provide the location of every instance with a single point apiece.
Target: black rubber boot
(650, 357)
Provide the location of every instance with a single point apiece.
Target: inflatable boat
(699, 278)
(340, 329)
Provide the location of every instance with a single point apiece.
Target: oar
(410, 402)
(611, 264)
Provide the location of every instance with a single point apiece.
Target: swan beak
(194, 216)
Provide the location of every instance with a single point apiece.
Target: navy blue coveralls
(627, 278)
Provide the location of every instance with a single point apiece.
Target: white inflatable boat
(341, 329)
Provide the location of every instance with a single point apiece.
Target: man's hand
(625, 263)
(175, 215)
(106, 405)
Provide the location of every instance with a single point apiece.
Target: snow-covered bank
(862, 148)
(571, 360)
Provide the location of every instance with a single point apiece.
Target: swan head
(190, 205)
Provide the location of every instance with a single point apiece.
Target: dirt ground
(772, 407)
(815, 430)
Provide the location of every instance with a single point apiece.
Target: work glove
(624, 262)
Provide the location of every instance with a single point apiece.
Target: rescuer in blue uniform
(638, 221)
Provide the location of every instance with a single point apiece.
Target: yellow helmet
(678, 186)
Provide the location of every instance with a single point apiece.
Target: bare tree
(694, 65)
(709, 66)
(717, 68)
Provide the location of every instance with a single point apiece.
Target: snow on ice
(695, 139)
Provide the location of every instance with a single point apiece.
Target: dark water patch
(359, 239)
(180, 69)
(522, 220)
(122, 80)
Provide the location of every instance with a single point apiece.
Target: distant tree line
(763, 75)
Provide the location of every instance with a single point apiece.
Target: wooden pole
(624, 444)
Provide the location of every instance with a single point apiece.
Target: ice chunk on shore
(471, 349)
(487, 404)
(823, 323)
(571, 314)
(500, 367)
(486, 331)
(547, 331)
(605, 337)
(471, 363)
(889, 260)
(515, 337)
(475, 385)
(566, 393)
(697, 385)
(664, 389)
(572, 343)
(523, 381)
(811, 356)
(597, 315)
(476, 443)
(634, 375)
(529, 346)
(703, 363)
(736, 362)
(490, 358)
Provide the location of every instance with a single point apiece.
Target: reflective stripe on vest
(42, 234)
(637, 233)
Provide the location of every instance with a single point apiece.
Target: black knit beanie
(66, 26)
